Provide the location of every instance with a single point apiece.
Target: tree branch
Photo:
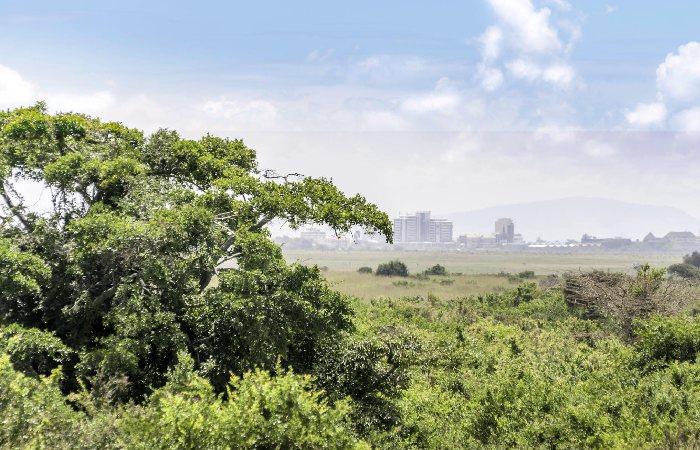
(16, 210)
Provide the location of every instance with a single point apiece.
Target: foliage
(260, 411)
(662, 340)
(684, 270)
(623, 298)
(693, 259)
(437, 270)
(122, 268)
(392, 269)
(31, 351)
(365, 269)
(496, 371)
(526, 274)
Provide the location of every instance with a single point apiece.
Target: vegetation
(364, 269)
(436, 270)
(392, 269)
(118, 330)
(117, 270)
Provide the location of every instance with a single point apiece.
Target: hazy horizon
(446, 107)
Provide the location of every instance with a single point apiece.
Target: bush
(526, 274)
(692, 259)
(392, 269)
(666, 339)
(684, 270)
(364, 269)
(437, 269)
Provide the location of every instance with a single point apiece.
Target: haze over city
(448, 106)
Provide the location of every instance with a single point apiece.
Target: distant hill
(569, 218)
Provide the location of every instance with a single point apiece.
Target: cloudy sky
(442, 105)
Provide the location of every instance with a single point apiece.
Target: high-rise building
(420, 227)
(505, 230)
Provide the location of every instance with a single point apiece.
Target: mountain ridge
(571, 217)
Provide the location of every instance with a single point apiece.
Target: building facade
(505, 230)
(420, 227)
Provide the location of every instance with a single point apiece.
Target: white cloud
(561, 4)
(647, 114)
(14, 89)
(609, 9)
(491, 78)
(688, 121)
(524, 69)
(491, 43)
(529, 42)
(381, 121)
(599, 149)
(95, 103)
(443, 99)
(530, 28)
(559, 74)
(678, 77)
(261, 112)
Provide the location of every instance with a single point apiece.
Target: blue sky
(445, 105)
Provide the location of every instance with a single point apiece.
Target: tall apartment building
(420, 227)
(505, 230)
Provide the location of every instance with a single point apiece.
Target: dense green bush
(437, 270)
(662, 340)
(392, 269)
(260, 411)
(693, 259)
(364, 269)
(684, 270)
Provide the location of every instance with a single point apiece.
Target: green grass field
(477, 269)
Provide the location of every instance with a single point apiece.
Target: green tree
(123, 266)
(692, 259)
(392, 269)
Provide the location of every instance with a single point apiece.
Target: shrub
(692, 259)
(684, 270)
(666, 339)
(624, 298)
(392, 269)
(526, 274)
(437, 269)
(364, 269)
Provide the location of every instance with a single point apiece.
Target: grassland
(477, 271)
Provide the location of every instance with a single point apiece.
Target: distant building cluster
(422, 231)
(504, 234)
(421, 228)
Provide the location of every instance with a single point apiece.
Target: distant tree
(364, 269)
(437, 269)
(392, 269)
(526, 274)
(685, 270)
(693, 259)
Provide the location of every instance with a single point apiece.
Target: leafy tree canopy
(122, 267)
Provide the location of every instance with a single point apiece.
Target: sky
(442, 105)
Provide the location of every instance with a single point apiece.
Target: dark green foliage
(392, 269)
(33, 352)
(526, 274)
(372, 372)
(684, 270)
(122, 269)
(260, 411)
(693, 259)
(365, 269)
(437, 270)
(662, 340)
